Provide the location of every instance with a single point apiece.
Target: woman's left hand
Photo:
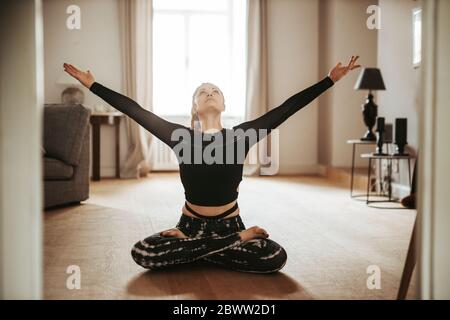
(339, 71)
(174, 232)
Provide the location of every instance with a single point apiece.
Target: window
(198, 41)
(417, 36)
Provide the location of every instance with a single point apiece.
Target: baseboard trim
(313, 169)
(322, 170)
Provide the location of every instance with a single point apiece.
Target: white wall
(306, 38)
(400, 100)
(343, 33)
(293, 65)
(21, 102)
(395, 60)
(95, 47)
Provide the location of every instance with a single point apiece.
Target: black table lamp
(370, 79)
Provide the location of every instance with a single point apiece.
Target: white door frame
(21, 103)
(434, 164)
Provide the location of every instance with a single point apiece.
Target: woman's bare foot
(173, 233)
(253, 233)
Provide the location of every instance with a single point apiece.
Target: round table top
(359, 141)
(386, 156)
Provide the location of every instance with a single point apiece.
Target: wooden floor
(330, 240)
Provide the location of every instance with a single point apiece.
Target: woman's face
(209, 98)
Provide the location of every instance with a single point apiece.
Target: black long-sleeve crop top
(211, 180)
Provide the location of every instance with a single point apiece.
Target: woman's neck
(211, 125)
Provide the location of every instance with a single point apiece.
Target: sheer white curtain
(256, 95)
(136, 38)
(135, 18)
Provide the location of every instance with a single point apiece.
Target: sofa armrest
(64, 131)
(81, 174)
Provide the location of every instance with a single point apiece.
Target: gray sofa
(66, 144)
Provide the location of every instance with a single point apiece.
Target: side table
(355, 142)
(389, 158)
(97, 119)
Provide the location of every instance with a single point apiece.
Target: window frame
(187, 14)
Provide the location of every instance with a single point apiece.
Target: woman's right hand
(86, 78)
(253, 233)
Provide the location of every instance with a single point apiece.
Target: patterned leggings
(213, 240)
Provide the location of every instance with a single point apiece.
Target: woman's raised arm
(276, 116)
(156, 125)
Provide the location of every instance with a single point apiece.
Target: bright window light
(198, 41)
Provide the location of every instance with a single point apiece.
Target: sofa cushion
(55, 169)
(64, 129)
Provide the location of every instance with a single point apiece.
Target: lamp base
(370, 136)
(369, 112)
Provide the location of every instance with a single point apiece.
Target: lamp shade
(370, 79)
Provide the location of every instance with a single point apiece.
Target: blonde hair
(195, 121)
